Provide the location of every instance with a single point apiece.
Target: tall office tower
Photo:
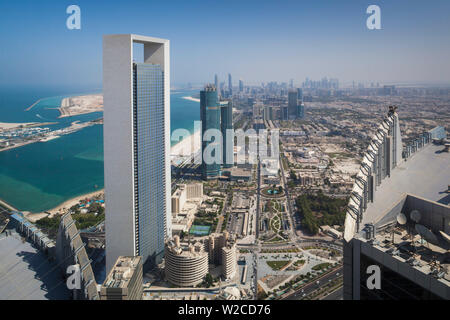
(230, 85)
(136, 147)
(241, 85)
(216, 82)
(292, 103)
(291, 84)
(300, 94)
(226, 122)
(210, 113)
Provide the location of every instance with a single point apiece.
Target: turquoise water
(40, 176)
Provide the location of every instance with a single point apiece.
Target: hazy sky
(254, 40)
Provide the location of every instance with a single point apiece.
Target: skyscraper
(398, 220)
(292, 103)
(300, 94)
(216, 82)
(230, 84)
(210, 113)
(226, 122)
(300, 111)
(241, 85)
(136, 147)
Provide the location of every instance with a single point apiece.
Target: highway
(288, 199)
(336, 295)
(311, 287)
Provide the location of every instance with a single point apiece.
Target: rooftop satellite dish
(401, 219)
(445, 236)
(415, 215)
(426, 234)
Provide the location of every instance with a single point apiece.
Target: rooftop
(426, 174)
(26, 273)
(121, 273)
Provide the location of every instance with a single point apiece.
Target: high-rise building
(216, 82)
(241, 85)
(124, 281)
(136, 148)
(300, 95)
(397, 224)
(292, 103)
(210, 114)
(226, 121)
(300, 111)
(230, 85)
(284, 112)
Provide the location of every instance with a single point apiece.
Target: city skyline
(305, 39)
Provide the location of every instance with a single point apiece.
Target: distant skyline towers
(241, 85)
(210, 114)
(292, 102)
(230, 84)
(216, 82)
(136, 147)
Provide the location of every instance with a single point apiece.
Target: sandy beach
(192, 99)
(33, 217)
(187, 146)
(73, 106)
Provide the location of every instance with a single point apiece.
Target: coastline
(179, 149)
(7, 205)
(82, 104)
(188, 146)
(191, 99)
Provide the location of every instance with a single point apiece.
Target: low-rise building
(124, 281)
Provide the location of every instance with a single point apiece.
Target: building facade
(185, 265)
(136, 147)
(210, 114)
(292, 103)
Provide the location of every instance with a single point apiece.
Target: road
(258, 196)
(336, 295)
(288, 199)
(311, 287)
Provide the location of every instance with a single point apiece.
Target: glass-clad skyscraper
(136, 148)
(227, 124)
(292, 103)
(210, 114)
(148, 138)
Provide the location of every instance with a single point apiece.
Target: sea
(42, 175)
